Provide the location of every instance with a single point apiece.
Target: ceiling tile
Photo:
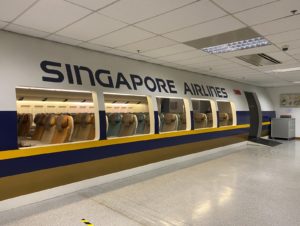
(239, 70)
(229, 66)
(284, 65)
(233, 6)
(91, 27)
(170, 64)
(297, 56)
(284, 36)
(51, 15)
(207, 29)
(184, 56)
(286, 24)
(2, 24)
(62, 39)
(132, 11)
(151, 60)
(122, 37)
(117, 52)
(92, 4)
(217, 62)
(10, 9)
(288, 76)
(92, 46)
(273, 83)
(281, 56)
(268, 12)
(170, 50)
(295, 51)
(193, 14)
(26, 31)
(198, 60)
(138, 57)
(148, 44)
(263, 78)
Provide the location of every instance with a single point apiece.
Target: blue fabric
(114, 126)
(141, 123)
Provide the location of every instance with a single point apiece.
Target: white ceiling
(155, 31)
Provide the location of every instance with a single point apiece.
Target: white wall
(20, 58)
(274, 93)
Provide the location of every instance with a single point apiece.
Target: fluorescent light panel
(238, 45)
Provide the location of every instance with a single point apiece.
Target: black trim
(156, 122)
(192, 120)
(102, 121)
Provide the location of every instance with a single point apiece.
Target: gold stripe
(32, 151)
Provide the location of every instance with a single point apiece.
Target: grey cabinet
(283, 128)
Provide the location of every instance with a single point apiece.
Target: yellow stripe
(32, 151)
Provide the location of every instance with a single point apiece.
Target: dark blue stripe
(243, 117)
(28, 164)
(268, 115)
(102, 121)
(8, 130)
(156, 122)
(33, 163)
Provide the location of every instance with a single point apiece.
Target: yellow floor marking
(86, 222)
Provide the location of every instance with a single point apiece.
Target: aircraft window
(226, 113)
(48, 116)
(203, 115)
(127, 115)
(172, 114)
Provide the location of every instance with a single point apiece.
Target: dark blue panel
(243, 117)
(268, 115)
(102, 120)
(156, 122)
(192, 121)
(8, 130)
(29, 164)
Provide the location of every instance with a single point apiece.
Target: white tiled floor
(254, 185)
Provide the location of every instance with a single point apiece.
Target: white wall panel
(20, 58)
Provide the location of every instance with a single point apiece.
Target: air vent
(259, 59)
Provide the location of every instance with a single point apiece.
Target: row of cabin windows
(125, 116)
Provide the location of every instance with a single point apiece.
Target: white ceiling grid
(155, 31)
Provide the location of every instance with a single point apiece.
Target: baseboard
(66, 189)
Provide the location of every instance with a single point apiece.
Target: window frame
(150, 112)
(187, 108)
(213, 111)
(95, 111)
(233, 111)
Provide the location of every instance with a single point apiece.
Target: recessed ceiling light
(238, 45)
(285, 70)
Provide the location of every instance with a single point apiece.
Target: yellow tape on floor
(86, 222)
